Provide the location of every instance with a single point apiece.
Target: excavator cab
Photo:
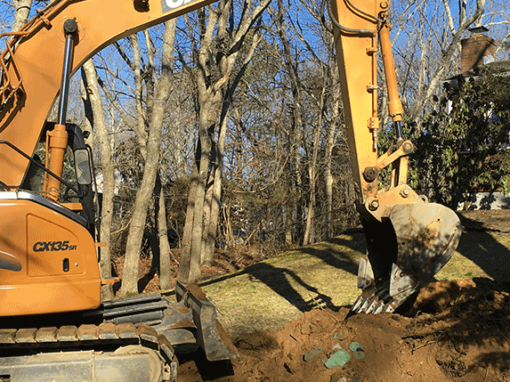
(76, 177)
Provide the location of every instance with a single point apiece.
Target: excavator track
(128, 340)
(105, 352)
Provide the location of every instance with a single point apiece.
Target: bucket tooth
(365, 274)
(371, 306)
(365, 305)
(357, 304)
(388, 309)
(378, 308)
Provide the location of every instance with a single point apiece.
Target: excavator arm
(408, 239)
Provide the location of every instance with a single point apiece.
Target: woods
(225, 127)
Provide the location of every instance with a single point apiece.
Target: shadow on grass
(338, 252)
(340, 259)
(275, 278)
(480, 246)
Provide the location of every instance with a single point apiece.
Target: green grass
(267, 295)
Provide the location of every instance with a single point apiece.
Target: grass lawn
(267, 295)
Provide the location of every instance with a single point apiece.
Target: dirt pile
(457, 330)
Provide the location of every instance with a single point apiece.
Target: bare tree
(21, 14)
(151, 168)
(427, 37)
(97, 120)
(218, 51)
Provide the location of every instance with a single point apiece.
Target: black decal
(38, 247)
(53, 246)
(65, 265)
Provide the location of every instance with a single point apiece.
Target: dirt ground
(455, 331)
(486, 220)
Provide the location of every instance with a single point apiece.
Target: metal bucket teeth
(388, 309)
(378, 301)
(379, 307)
(357, 304)
(364, 306)
(371, 306)
(365, 274)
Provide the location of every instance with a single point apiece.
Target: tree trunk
(183, 275)
(207, 214)
(97, 120)
(198, 213)
(312, 171)
(137, 226)
(165, 271)
(287, 221)
(212, 226)
(21, 15)
(151, 168)
(297, 117)
(328, 174)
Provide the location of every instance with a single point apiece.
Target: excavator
(53, 324)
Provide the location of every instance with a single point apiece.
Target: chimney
(478, 49)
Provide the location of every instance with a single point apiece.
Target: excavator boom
(31, 77)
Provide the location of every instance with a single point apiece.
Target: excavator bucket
(405, 251)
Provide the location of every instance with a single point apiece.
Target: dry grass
(267, 295)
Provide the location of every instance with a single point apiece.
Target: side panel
(57, 257)
(52, 251)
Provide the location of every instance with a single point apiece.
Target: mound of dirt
(456, 330)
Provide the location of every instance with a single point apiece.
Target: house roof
(497, 67)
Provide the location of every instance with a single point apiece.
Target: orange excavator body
(49, 271)
(55, 270)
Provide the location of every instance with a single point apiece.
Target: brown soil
(459, 331)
